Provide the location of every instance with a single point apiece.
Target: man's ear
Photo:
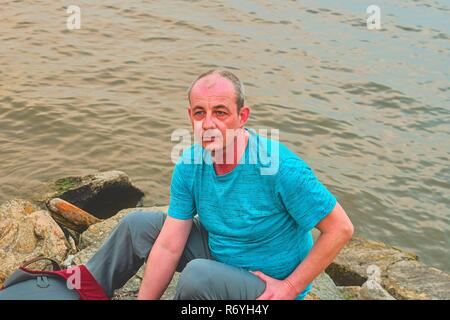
(190, 112)
(244, 113)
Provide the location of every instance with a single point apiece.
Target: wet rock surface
(101, 195)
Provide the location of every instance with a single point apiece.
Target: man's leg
(129, 245)
(204, 279)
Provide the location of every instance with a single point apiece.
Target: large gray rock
(350, 292)
(26, 233)
(402, 275)
(412, 280)
(102, 194)
(372, 290)
(349, 268)
(324, 289)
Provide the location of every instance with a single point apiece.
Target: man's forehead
(211, 99)
(213, 87)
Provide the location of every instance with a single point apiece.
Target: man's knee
(195, 281)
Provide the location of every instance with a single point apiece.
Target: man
(232, 231)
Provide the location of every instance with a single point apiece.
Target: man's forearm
(321, 255)
(161, 265)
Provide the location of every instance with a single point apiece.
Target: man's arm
(164, 258)
(336, 230)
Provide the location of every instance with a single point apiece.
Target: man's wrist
(292, 287)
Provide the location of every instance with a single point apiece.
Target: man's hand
(275, 289)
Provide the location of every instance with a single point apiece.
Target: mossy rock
(65, 184)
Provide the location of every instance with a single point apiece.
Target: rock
(350, 292)
(402, 275)
(413, 280)
(311, 296)
(324, 289)
(96, 234)
(102, 194)
(131, 289)
(350, 266)
(374, 273)
(372, 290)
(83, 256)
(315, 233)
(169, 294)
(68, 262)
(26, 233)
(70, 216)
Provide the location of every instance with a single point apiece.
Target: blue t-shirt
(259, 216)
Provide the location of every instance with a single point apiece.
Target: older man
(232, 231)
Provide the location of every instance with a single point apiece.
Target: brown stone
(71, 216)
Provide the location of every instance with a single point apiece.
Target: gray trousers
(202, 278)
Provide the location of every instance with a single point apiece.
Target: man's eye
(220, 113)
(198, 113)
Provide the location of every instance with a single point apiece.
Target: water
(368, 110)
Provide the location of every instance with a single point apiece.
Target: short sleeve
(302, 194)
(181, 204)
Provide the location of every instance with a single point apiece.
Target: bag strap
(56, 266)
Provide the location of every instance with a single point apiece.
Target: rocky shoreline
(363, 270)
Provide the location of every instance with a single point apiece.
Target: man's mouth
(209, 138)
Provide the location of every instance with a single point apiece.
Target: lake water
(369, 110)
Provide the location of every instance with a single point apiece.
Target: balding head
(209, 79)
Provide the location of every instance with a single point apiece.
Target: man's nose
(208, 122)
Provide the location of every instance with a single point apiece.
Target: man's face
(213, 110)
